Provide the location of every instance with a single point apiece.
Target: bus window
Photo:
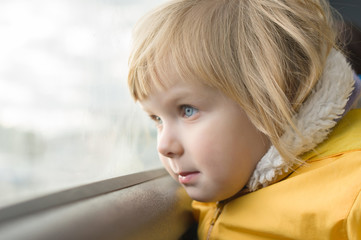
(66, 117)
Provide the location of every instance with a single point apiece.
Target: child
(256, 115)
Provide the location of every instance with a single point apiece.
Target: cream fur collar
(315, 119)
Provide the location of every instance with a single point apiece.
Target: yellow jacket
(319, 200)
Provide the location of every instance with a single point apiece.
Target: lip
(188, 177)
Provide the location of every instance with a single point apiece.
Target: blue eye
(188, 111)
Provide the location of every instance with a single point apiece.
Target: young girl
(256, 115)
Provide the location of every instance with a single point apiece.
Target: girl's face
(205, 140)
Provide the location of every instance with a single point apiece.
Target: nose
(169, 144)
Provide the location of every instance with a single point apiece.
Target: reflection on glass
(66, 117)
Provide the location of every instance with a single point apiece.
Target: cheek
(213, 141)
(209, 151)
(223, 152)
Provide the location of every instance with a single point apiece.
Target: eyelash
(156, 119)
(182, 110)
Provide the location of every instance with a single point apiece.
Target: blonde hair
(264, 54)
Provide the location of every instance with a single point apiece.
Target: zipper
(219, 209)
(214, 219)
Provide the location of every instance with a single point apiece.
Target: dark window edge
(76, 194)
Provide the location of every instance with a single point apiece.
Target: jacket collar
(328, 102)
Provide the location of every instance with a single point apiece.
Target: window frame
(148, 204)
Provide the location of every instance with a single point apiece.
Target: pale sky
(63, 61)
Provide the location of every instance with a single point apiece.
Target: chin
(200, 196)
(207, 196)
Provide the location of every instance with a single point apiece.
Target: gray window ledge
(148, 205)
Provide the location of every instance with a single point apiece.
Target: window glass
(66, 117)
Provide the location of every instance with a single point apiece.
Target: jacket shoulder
(354, 219)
